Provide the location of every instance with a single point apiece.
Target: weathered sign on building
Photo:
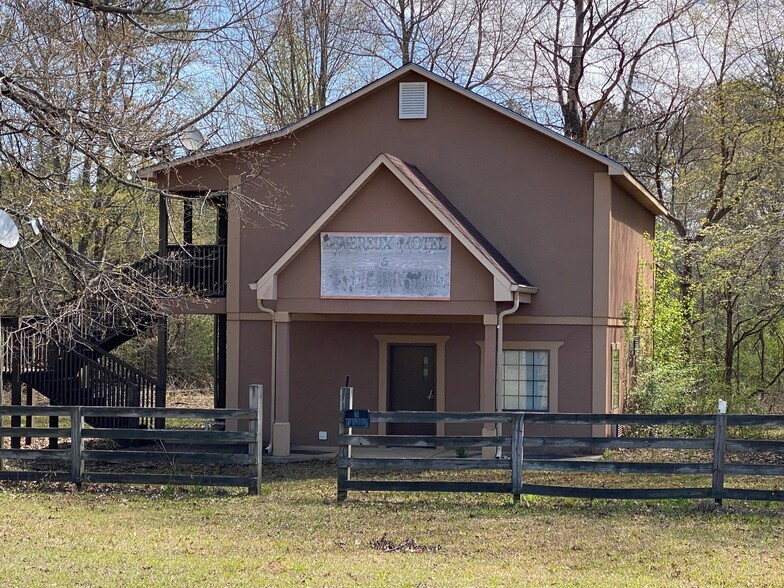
(372, 265)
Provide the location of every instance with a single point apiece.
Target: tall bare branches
(89, 92)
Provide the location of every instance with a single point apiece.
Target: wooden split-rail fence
(192, 441)
(516, 442)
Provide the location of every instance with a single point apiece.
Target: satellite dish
(192, 139)
(9, 234)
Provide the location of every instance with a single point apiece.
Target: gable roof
(614, 169)
(506, 278)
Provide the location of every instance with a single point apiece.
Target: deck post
(255, 403)
(219, 360)
(77, 445)
(2, 371)
(518, 435)
(719, 446)
(187, 221)
(344, 451)
(16, 380)
(163, 332)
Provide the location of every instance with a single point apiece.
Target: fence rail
(516, 441)
(199, 446)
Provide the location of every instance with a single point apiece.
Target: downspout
(260, 304)
(499, 361)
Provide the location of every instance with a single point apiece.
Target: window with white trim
(526, 379)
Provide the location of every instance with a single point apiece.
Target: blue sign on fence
(358, 418)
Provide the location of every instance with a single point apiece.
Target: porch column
(229, 225)
(281, 430)
(602, 229)
(487, 401)
(162, 357)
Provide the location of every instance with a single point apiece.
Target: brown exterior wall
(628, 225)
(531, 196)
(324, 352)
(528, 193)
(384, 205)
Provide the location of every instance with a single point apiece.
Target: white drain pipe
(499, 363)
(273, 394)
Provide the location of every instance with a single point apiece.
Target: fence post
(77, 445)
(719, 445)
(518, 435)
(54, 423)
(255, 403)
(344, 451)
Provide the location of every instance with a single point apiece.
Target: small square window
(526, 379)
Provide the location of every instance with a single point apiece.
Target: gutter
(499, 358)
(273, 395)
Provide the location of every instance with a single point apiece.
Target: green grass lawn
(295, 534)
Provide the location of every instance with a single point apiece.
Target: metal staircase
(79, 373)
(82, 370)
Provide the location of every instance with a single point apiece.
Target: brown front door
(412, 385)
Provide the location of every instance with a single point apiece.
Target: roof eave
(525, 289)
(266, 285)
(150, 171)
(614, 168)
(636, 189)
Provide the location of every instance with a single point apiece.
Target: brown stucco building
(424, 223)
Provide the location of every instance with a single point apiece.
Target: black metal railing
(89, 376)
(18, 336)
(199, 268)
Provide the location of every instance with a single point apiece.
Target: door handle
(430, 396)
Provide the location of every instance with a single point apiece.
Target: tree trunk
(573, 121)
(729, 347)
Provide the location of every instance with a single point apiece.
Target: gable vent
(413, 100)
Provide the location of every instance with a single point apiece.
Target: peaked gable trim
(505, 278)
(627, 180)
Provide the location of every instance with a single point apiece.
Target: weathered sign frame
(386, 266)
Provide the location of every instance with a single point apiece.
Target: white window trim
(552, 347)
(522, 379)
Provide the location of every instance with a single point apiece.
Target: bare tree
(469, 42)
(589, 53)
(710, 153)
(400, 25)
(90, 92)
(472, 43)
(311, 62)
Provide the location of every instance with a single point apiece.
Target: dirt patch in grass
(189, 398)
(385, 544)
